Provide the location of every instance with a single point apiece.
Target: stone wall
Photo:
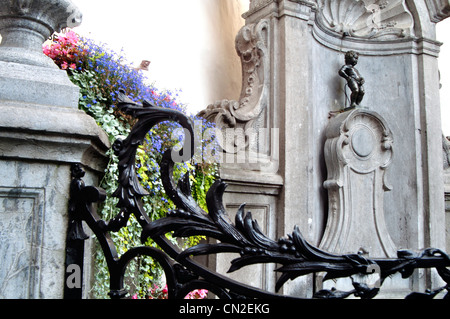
(297, 49)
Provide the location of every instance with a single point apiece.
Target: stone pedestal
(358, 151)
(42, 133)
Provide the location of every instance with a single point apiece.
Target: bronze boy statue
(354, 80)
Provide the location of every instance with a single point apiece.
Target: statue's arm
(342, 72)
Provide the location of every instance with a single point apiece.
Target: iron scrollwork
(183, 274)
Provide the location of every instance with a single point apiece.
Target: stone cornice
(438, 9)
(257, 5)
(407, 45)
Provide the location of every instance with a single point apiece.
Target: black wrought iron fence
(293, 253)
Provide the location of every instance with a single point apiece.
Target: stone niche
(291, 53)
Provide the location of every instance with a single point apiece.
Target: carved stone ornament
(26, 24)
(358, 150)
(366, 19)
(439, 9)
(251, 46)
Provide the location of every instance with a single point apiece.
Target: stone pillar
(42, 133)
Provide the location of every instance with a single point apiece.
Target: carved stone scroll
(358, 150)
(251, 46)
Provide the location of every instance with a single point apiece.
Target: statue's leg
(354, 87)
(360, 96)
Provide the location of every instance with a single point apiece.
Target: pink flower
(135, 296)
(62, 40)
(73, 66)
(203, 293)
(197, 294)
(72, 37)
(64, 66)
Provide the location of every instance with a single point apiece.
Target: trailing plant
(101, 74)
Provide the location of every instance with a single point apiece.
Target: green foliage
(100, 73)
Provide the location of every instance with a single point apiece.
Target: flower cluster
(111, 71)
(197, 294)
(64, 50)
(157, 292)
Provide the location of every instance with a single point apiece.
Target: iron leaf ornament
(244, 237)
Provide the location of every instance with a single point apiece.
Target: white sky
(173, 38)
(166, 32)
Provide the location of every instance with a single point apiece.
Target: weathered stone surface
(33, 211)
(260, 199)
(34, 191)
(42, 133)
(37, 85)
(22, 210)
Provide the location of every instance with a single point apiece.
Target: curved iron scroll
(296, 256)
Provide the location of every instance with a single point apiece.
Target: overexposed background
(190, 44)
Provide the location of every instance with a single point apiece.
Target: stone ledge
(37, 85)
(53, 134)
(252, 182)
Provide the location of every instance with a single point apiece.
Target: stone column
(42, 133)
